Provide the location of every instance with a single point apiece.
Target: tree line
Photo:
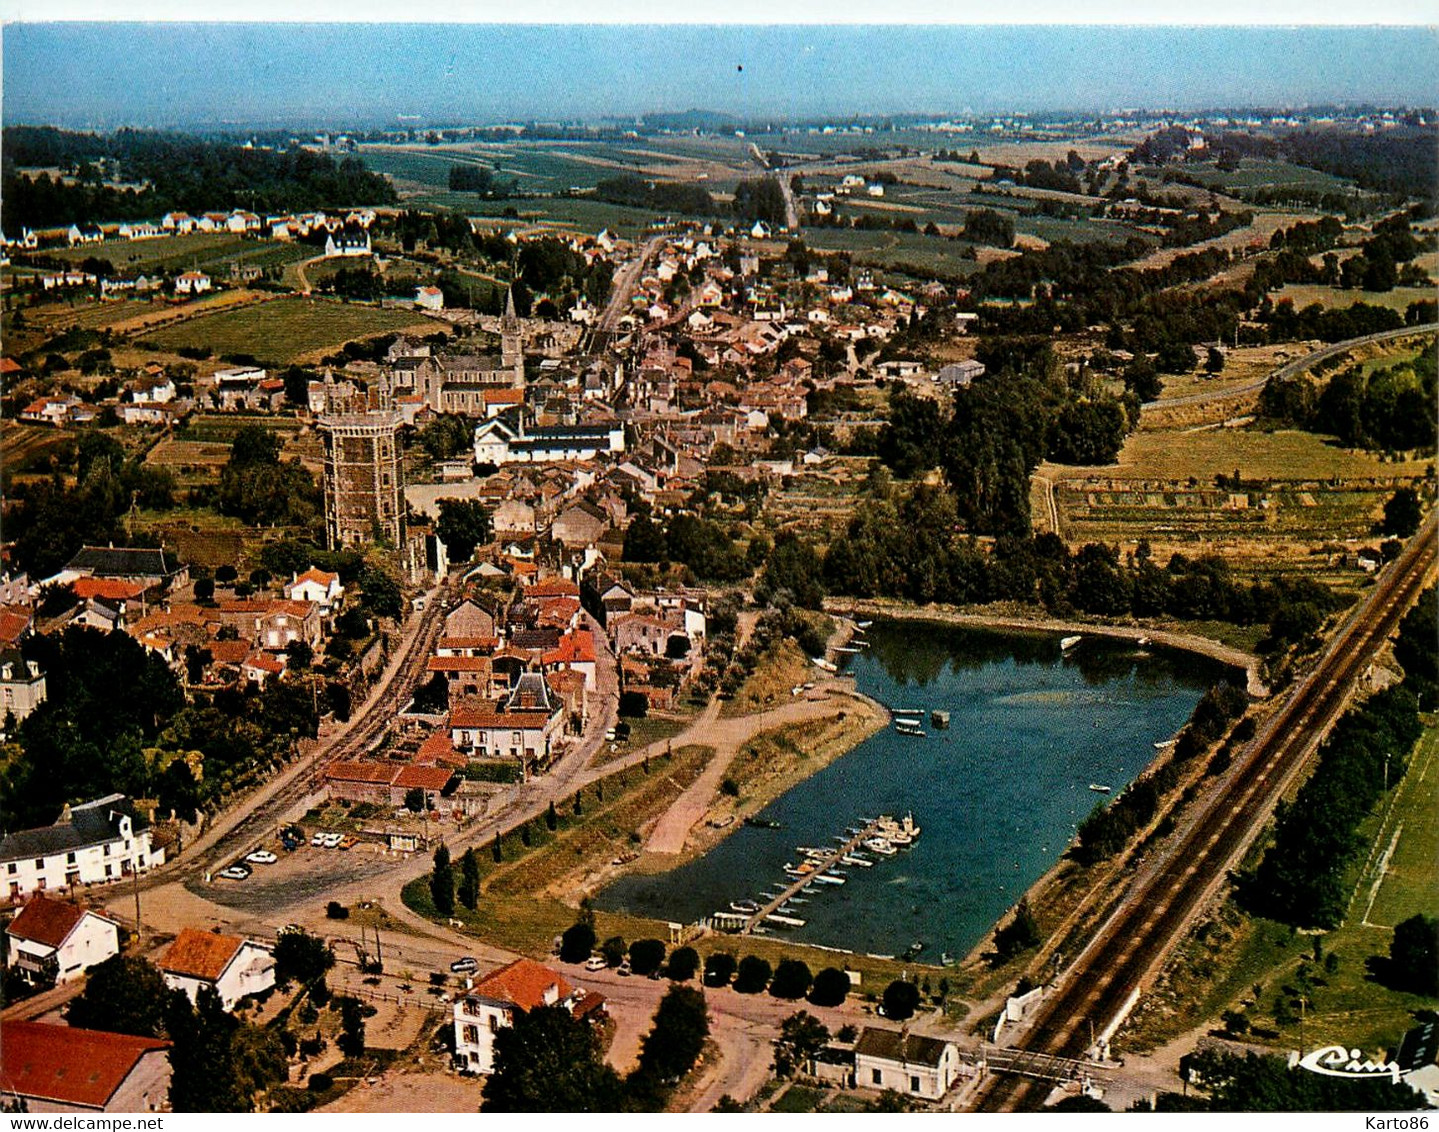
(178, 172)
(1390, 409)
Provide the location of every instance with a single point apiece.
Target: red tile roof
(112, 588)
(68, 1065)
(467, 643)
(577, 647)
(201, 955)
(379, 774)
(473, 713)
(554, 587)
(316, 575)
(13, 625)
(522, 983)
(458, 664)
(438, 749)
(46, 921)
(425, 777)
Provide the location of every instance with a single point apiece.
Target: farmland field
(203, 251)
(287, 330)
(1301, 295)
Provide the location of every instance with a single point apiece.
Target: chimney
(9, 671)
(34, 669)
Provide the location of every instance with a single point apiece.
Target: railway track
(1109, 975)
(358, 738)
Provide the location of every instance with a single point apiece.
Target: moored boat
(1067, 643)
(881, 846)
(1098, 788)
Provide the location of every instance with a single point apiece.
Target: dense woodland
(177, 172)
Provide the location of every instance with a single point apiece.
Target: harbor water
(997, 794)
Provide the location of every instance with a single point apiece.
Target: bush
(613, 949)
(901, 999)
(320, 1082)
(646, 955)
(754, 975)
(792, 979)
(831, 987)
(334, 910)
(578, 943)
(719, 969)
(634, 704)
(684, 962)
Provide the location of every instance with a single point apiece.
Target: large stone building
(476, 385)
(364, 484)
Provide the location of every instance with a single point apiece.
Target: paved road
(623, 288)
(1289, 369)
(1096, 993)
(791, 209)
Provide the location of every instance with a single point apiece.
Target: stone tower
(364, 482)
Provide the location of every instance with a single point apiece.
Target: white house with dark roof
(53, 940)
(911, 1064)
(92, 843)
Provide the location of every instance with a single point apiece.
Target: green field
(1407, 883)
(1303, 294)
(1262, 173)
(203, 251)
(285, 330)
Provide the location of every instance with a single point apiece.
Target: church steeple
(512, 342)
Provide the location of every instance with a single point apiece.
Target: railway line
(1095, 995)
(377, 715)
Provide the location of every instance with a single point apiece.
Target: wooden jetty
(830, 860)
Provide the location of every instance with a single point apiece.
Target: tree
(684, 962)
(646, 955)
(549, 1061)
(613, 949)
(463, 525)
(1401, 513)
(673, 1045)
(381, 593)
(1414, 955)
(719, 969)
(577, 943)
(1019, 934)
(831, 987)
(442, 883)
(352, 1025)
(753, 975)
(1214, 362)
(123, 995)
(302, 957)
(801, 1037)
(552, 819)
(415, 799)
(202, 1075)
(469, 890)
(792, 979)
(901, 1000)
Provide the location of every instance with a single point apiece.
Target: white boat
(1067, 643)
(863, 624)
(899, 832)
(784, 921)
(1098, 789)
(907, 713)
(747, 907)
(1143, 642)
(881, 846)
(825, 878)
(820, 662)
(845, 649)
(851, 859)
(913, 730)
(1165, 744)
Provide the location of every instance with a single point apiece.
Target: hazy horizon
(103, 76)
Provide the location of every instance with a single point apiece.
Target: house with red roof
(65, 1069)
(231, 965)
(495, 1000)
(319, 586)
(576, 653)
(55, 941)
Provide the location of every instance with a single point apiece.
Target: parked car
(318, 840)
(261, 857)
(466, 966)
(235, 872)
(349, 842)
(332, 840)
(624, 968)
(595, 963)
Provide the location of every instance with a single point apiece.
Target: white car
(332, 840)
(318, 840)
(261, 857)
(595, 963)
(234, 872)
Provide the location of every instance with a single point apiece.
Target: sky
(156, 74)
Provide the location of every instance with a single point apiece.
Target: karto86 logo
(1338, 1061)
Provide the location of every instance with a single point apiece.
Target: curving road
(1096, 993)
(1289, 369)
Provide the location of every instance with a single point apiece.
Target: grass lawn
(798, 1098)
(1303, 294)
(286, 330)
(779, 670)
(1408, 882)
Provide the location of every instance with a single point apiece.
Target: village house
(575, 653)
(317, 586)
(144, 566)
(469, 619)
(52, 941)
(911, 1064)
(192, 283)
(49, 410)
(90, 843)
(232, 966)
(51, 1068)
(492, 1004)
(523, 727)
(271, 624)
(347, 242)
(22, 684)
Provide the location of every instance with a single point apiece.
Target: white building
(230, 964)
(22, 685)
(318, 586)
(92, 843)
(492, 1003)
(52, 940)
(907, 1063)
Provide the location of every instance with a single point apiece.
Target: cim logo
(1337, 1061)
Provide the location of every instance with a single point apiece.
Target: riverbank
(952, 615)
